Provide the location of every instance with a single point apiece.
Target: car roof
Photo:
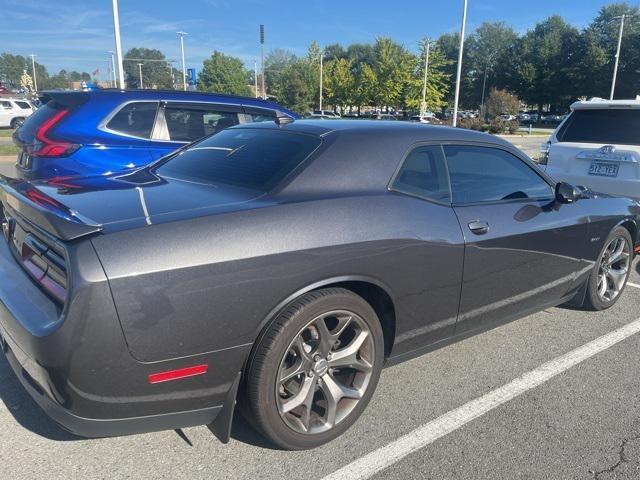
(410, 132)
(599, 103)
(178, 95)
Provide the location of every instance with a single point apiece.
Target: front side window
(248, 158)
(187, 124)
(486, 174)
(135, 119)
(424, 174)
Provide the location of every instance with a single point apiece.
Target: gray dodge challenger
(279, 266)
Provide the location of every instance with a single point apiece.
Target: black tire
(263, 369)
(17, 123)
(592, 300)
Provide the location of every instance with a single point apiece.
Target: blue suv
(82, 133)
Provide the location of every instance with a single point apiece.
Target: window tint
(602, 126)
(482, 174)
(255, 159)
(135, 119)
(186, 124)
(4, 104)
(263, 117)
(424, 174)
(23, 105)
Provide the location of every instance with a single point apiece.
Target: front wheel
(315, 370)
(611, 271)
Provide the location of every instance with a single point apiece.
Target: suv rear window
(135, 119)
(617, 126)
(27, 132)
(254, 159)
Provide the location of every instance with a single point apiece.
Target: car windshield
(615, 126)
(249, 158)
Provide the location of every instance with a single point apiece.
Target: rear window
(254, 159)
(617, 126)
(135, 119)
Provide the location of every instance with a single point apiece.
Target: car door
(179, 123)
(522, 248)
(5, 113)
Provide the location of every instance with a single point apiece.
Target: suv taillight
(544, 153)
(45, 146)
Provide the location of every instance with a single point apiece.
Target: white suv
(598, 146)
(13, 112)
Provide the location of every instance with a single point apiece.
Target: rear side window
(5, 104)
(254, 159)
(135, 119)
(187, 124)
(424, 174)
(617, 126)
(23, 105)
(486, 174)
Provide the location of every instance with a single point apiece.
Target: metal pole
(484, 86)
(140, 70)
(116, 29)
(264, 92)
(423, 105)
(255, 77)
(459, 72)
(33, 65)
(113, 70)
(321, 75)
(184, 68)
(615, 68)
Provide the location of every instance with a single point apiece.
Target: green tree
(339, 83)
(274, 64)
(224, 74)
(437, 80)
(155, 72)
(501, 101)
(293, 86)
(366, 83)
(393, 66)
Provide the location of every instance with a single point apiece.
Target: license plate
(604, 169)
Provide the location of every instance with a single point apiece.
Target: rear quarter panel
(210, 283)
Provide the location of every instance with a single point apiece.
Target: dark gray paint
(198, 277)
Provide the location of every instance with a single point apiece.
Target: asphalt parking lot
(582, 423)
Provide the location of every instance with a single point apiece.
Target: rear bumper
(619, 187)
(98, 427)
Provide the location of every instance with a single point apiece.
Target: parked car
(384, 116)
(98, 131)
(280, 264)
(598, 146)
(14, 111)
(552, 118)
(429, 118)
(507, 117)
(326, 113)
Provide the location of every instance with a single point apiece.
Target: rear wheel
(315, 370)
(611, 271)
(17, 123)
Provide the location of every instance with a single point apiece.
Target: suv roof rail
(180, 92)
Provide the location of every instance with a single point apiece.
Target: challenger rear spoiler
(25, 200)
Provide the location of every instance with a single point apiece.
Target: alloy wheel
(325, 372)
(613, 270)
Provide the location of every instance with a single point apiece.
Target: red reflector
(179, 373)
(638, 249)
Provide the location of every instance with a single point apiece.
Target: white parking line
(634, 285)
(386, 456)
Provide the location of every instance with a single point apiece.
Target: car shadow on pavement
(242, 431)
(25, 410)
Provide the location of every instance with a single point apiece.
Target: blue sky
(76, 34)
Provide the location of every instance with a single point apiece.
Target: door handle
(478, 227)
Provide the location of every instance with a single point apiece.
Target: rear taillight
(46, 266)
(45, 146)
(544, 153)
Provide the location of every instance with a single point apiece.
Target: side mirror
(567, 193)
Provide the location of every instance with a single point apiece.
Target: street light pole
(484, 85)
(113, 69)
(116, 30)
(459, 71)
(255, 77)
(33, 66)
(184, 67)
(264, 92)
(423, 105)
(615, 68)
(140, 70)
(321, 75)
